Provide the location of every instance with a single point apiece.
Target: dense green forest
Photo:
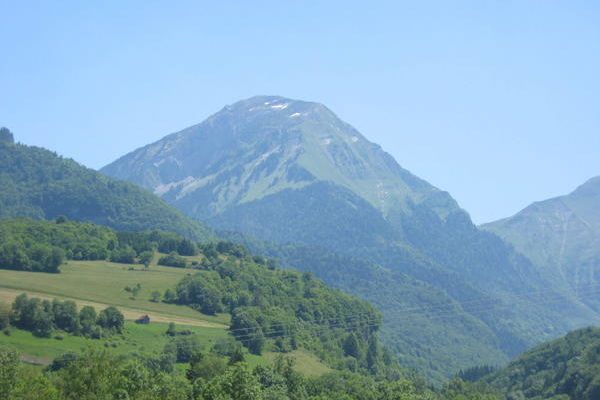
(291, 172)
(284, 310)
(280, 310)
(38, 183)
(271, 310)
(433, 354)
(36, 245)
(564, 369)
(100, 375)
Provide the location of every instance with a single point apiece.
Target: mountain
(565, 369)
(562, 237)
(309, 188)
(38, 183)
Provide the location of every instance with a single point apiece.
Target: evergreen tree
(351, 346)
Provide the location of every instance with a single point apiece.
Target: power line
(440, 307)
(439, 314)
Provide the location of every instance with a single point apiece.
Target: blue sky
(497, 102)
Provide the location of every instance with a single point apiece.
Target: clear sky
(497, 102)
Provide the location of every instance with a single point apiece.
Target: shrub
(173, 260)
(124, 255)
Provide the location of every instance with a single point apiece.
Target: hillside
(291, 173)
(564, 369)
(37, 183)
(267, 309)
(562, 237)
(302, 339)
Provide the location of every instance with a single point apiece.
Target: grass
(104, 283)
(305, 363)
(101, 283)
(143, 339)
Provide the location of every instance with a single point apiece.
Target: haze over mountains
(37, 183)
(562, 237)
(301, 184)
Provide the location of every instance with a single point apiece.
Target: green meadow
(102, 283)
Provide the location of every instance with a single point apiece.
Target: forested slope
(38, 183)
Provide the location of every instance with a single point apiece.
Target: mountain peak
(263, 145)
(590, 188)
(278, 107)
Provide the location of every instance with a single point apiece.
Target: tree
(205, 366)
(66, 316)
(237, 383)
(372, 353)
(62, 361)
(111, 318)
(155, 296)
(6, 136)
(236, 356)
(123, 255)
(171, 330)
(170, 296)
(146, 258)
(93, 375)
(173, 260)
(33, 386)
(187, 248)
(226, 347)
(87, 320)
(44, 320)
(33, 315)
(134, 290)
(351, 346)
(9, 364)
(184, 348)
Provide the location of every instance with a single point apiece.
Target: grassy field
(104, 283)
(143, 339)
(100, 284)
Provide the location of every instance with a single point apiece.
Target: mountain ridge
(561, 236)
(40, 184)
(292, 173)
(287, 121)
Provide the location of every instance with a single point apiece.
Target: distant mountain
(292, 175)
(562, 237)
(37, 183)
(564, 369)
(266, 145)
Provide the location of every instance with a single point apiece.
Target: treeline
(564, 369)
(44, 317)
(282, 310)
(39, 184)
(42, 246)
(99, 374)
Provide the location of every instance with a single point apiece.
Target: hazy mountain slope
(264, 145)
(289, 171)
(562, 237)
(37, 183)
(564, 369)
(423, 323)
